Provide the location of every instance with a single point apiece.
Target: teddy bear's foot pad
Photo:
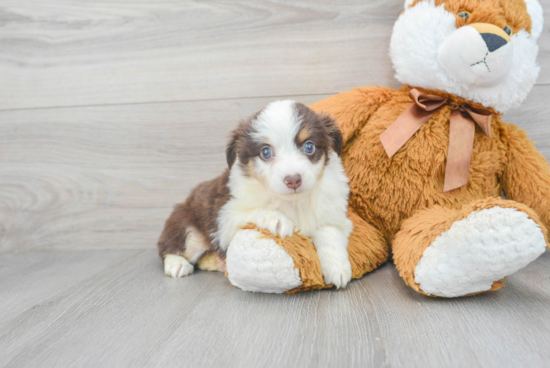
(479, 250)
(260, 265)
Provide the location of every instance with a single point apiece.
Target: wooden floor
(111, 111)
(115, 309)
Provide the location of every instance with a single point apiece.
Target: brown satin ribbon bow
(461, 133)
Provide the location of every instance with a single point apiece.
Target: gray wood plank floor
(116, 309)
(111, 111)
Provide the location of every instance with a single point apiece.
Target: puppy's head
(285, 147)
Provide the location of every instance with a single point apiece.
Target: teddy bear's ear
(537, 21)
(408, 3)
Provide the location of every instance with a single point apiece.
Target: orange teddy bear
(428, 162)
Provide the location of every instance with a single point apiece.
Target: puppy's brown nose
(293, 181)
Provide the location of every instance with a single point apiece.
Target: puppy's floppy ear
(231, 150)
(334, 134)
(238, 139)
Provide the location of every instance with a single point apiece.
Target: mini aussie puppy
(284, 175)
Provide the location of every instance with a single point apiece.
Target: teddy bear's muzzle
(478, 54)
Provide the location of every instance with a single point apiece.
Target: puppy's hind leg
(180, 263)
(211, 261)
(176, 266)
(180, 245)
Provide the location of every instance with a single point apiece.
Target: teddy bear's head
(481, 50)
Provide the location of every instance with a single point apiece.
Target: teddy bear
(459, 199)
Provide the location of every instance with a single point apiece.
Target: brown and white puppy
(284, 175)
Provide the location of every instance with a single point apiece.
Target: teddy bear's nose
(493, 36)
(493, 41)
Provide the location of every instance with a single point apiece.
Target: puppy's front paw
(335, 267)
(176, 266)
(274, 222)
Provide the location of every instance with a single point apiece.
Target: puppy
(284, 175)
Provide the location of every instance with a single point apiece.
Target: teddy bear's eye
(508, 30)
(464, 14)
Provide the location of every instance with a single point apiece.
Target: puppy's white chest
(301, 214)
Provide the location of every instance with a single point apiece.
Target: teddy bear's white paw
(274, 222)
(335, 267)
(479, 250)
(177, 266)
(260, 265)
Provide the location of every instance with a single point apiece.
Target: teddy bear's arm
(526, 176)
(352, 109)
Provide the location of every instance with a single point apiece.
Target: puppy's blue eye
(309, 148)
(266, 153)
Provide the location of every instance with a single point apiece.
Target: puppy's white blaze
(415, 53)
(278, 125)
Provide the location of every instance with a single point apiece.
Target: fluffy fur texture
(432, 47)
(421, 230)
(177, 266)
(400, 201)
(537, 21)
(285, 175)
(262, 273)
(409, 187)
(186, 232)
(477, 251)
(250, 270)
(259, 195)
